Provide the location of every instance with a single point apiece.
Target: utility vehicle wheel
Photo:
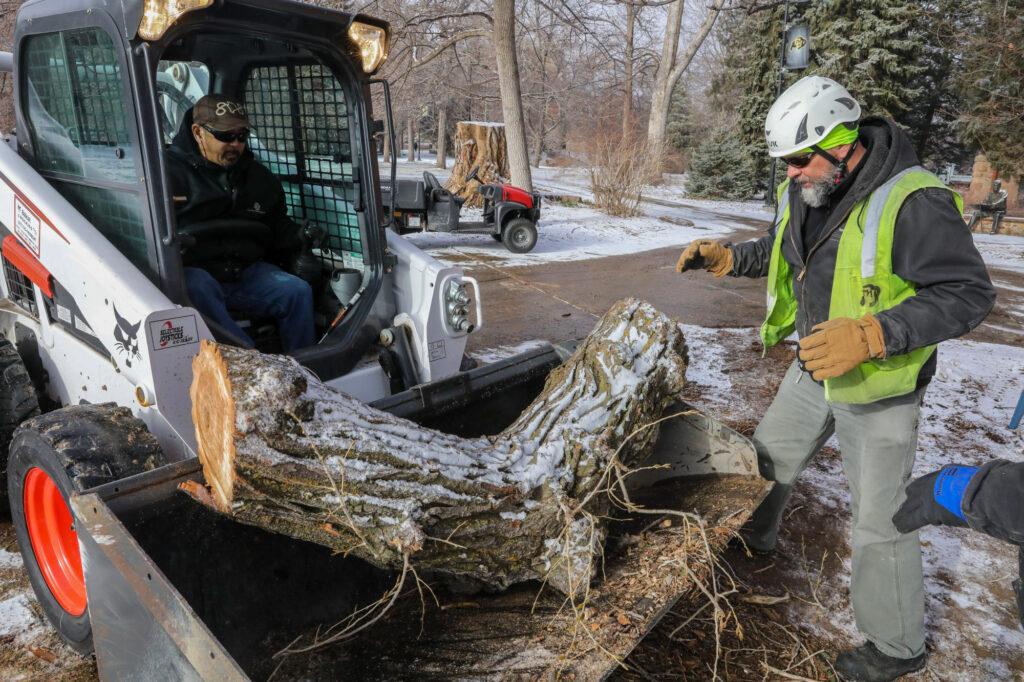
(53, 457)
(17, 403)
(519, 236)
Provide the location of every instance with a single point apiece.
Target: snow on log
(284, 452)
(481, 146)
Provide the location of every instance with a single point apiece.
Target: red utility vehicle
(510, 213)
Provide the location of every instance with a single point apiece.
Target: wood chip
(764, 599)
(622, 618)
(45, 654)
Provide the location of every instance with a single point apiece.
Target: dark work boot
(867, 664)
(761, 533)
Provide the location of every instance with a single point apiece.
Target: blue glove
(935, 499)
(950, 486)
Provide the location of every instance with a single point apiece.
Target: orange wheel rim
(51, 531)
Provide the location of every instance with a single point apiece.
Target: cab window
(73, 96)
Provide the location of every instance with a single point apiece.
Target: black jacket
(994, 504)
(246, 190)
(932, 248)
(994, 501)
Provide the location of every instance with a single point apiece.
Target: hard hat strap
(839, 164)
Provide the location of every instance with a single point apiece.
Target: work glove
(707, 255)
(935, 499)
(313, 236)
(840, 344)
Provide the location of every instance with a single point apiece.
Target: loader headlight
(456, 306)
(159, 15)
(371, 42)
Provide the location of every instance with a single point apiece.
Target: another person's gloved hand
(935, 499)
(705, 254)
(840, 344)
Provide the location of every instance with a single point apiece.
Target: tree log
(478, 145)
(284, 452)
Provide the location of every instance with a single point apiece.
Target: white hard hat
(806, 113)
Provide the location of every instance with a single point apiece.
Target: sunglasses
(799, 161)
(237, 136)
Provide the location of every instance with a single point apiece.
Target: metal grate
(301, 132)
(20, 288)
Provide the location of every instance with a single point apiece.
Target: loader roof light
(160, 15)
(372, 43)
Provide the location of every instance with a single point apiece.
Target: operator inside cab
(215, 177)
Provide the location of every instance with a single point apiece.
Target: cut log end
(213, 413)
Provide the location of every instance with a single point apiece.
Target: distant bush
(619, 170)
(722, 168)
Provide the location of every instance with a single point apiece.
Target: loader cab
(99, 103)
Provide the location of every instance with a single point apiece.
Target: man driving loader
(214, 176)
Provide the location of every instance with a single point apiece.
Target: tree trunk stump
(482, 146)
(284, 452)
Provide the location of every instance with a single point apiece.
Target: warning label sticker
(26, 225)
(436, 350)
(172, 332)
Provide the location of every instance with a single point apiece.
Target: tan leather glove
(707, 255)
(839, 345)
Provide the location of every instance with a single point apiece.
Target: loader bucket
(178, 592)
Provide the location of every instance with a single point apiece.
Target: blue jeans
(262, 290)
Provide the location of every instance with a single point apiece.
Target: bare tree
(511, 94)
(672, 67)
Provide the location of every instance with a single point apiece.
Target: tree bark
(442, 136)
(481, 146)
(511, 95)
(284, 452)
(410, 152)
(670, 69)
(627, 95)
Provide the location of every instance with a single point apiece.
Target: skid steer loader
(99, 333)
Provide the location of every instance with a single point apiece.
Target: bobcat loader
(98, 335)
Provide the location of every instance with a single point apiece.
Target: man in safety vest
(870, 263)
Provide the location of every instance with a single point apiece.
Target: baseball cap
(220, 113)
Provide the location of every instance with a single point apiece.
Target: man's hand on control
(313, 236)
(839, 345)
(705, 254)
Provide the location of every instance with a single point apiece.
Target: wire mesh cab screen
(301, 132)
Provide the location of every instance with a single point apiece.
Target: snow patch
(17, 616)
(10, 559)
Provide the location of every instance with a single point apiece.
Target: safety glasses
(799, 161)
(231, 136)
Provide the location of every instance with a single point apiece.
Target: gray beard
(817, 195)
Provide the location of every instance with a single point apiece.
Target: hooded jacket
(246, 190)
(932, 248)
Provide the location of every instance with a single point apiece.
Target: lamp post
(794, 55)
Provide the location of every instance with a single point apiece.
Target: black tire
(18, 402)
(519, 235)
(74, 448)
(496, 237)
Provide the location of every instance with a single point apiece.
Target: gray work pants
(878, 443)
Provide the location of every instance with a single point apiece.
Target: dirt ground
(765, 636)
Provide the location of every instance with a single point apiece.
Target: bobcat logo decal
(127, 337)
(869, 295)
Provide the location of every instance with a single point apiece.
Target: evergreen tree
(679, 131)
(992, 79)
(874, 48)
(722, 169)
